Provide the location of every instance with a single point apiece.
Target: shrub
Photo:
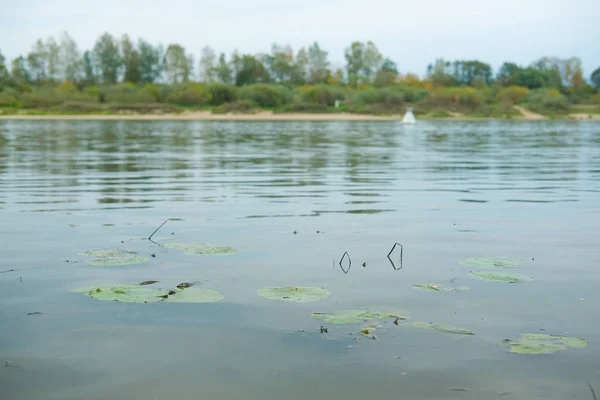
(458, 98)
(306, 107)
(188, 94)
(126, 93)
(547, 100)
(242, 106)
(322, 94)
(383, 97)
(9, 98)
(42, 98)
(513, 94)
(222, 93)
(265, 95)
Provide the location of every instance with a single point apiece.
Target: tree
(223, 70)
(281, 62)
(354, 62)
(207, 68)
(371, 62)
(440, 73)
(19, 71)
(151, 64)
(467, 73)
(508, 74)
(36, 61)
(53, 59)
(177, 64)
(595, 78)
(4, 75)
(387, 74)
(107, 58)
(70, 59)
(131, 61)
(317, 64)
(250, 70)
(87, 66)
(299, 72)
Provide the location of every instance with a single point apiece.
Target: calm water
(445, 191)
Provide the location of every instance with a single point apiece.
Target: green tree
(36, 61)
(595, 78)
(87, 66)
(354, 62)
(70, 59)
(151, 65)
(223, 70)
(107, 57)
(466, 73)
(207, 68)
(440, 73)
(387, 74)
(372, 60)
(508, 74)
(131, 60)
(178, 64)
(250, 70)
(53, 60)
(4, 75)
(281, 62)
(317, 64)
(300, 70)
(19, 71)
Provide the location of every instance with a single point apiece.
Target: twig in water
(150, 237)
(592, 390)
(390, 253)
(8, 270)
(349, 262)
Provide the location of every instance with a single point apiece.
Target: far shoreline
(270, 116)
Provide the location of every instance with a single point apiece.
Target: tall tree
(372, 60)
(354, 55)
(107, 57)
(19, 71)
(87, 66)
(300, 70)
(151, 65)
(440, 73)
(466, 73)
(317, 64)
(177, 64)
(508, 74)
(53, 59)
(4, 75)
(207, 68)
(595, 78)
(131, 61)
(36, 61)
(250, 70)
(223, 70)
(281, 62)
(70, 59)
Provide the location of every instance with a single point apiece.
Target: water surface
(292, 197)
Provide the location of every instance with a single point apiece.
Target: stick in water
(592, 390)
(161, 225)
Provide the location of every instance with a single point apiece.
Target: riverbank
(271, 116)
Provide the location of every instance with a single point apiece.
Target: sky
(411, 33)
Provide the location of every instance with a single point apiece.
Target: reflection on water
(293, 197)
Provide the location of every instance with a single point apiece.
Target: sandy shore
(270, 116)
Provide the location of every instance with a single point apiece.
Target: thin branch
(8, 270)
(150, 237)
(592, 390)
(390, 253)
(349, 262)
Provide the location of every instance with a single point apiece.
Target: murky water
(445, 191)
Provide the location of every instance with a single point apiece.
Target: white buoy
(409, 117)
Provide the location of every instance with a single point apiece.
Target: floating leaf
(123, 293)
(440, 288)
(195, 295)
(300, 294)
(368, 330)
(353, 316)
(184, 285)
(499, 276)
(535, 343)
(197, 248)
(113, 257)
(147, 283)
(490, 262)
(443, 328)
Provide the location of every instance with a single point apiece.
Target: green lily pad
(353, 316)
(490, 262)
(442, 328)
(195, 295)
(439, 288)
(112, 257)
(499, 276)
(299, 294)
(535, 343)
(197, 248)
(123, 293)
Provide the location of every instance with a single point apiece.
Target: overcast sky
(412, 33)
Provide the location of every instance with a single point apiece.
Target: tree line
(113, 60)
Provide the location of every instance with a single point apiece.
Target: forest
(121, 75)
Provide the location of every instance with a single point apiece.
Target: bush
(126, 93)
(465, 98)
(306, 107)
(222, 93)
(513, 94)
(412, 94)
(322, 94)
(81, 106)
(265, 95)
(386, 97)
(42, 98)
(547, 100)
(9, 98)
(189, 94)
(242, 106)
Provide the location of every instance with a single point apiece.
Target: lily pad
(499, 276)
(298, 294)
(535, 343)
(439, 288)
(353, 316)
(123, 293)
(197, 248)
(490, 262)
(113, 257)
(442, 328)
(195, 295)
